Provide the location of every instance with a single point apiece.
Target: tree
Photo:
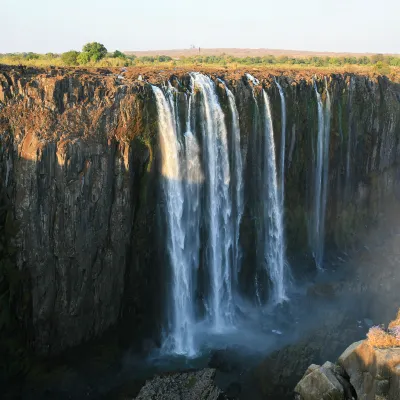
(95, 51)
(118, 54)
(70, 57)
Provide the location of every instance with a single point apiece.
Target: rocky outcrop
(198, 385)
(363, 371)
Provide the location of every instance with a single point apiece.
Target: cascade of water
(218, 204)
(274, 247)
(182, 292)
(349, 137)
(238, 178)
(283, 142)
(194, 179)
(321, 177)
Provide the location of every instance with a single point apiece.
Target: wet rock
(182, 386)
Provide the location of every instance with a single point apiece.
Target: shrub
(70, 57)
(83, 58)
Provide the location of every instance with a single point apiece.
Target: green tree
(95, 51)
(118, 54)
(70, 57)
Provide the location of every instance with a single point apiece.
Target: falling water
(283, 142)
(182, 305)
(274, 247)
(349, 137)
(218, 204)
(192, 186)
(238, 178)
(321, 177)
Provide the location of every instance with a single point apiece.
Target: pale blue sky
(320, 25)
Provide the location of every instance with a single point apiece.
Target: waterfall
(321, 177)
(217, 205)
(238, 179)
(283, 142)
(182, 291)
(274, 247)
(349, 138)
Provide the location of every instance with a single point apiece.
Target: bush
(70, 57)
(83, 58)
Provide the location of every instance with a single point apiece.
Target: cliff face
(79, 156)
(75, 155)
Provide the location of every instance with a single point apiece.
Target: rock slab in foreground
(196, 385)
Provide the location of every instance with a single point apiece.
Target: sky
(316, 25)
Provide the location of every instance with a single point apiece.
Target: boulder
(320, 383)
(193, 385)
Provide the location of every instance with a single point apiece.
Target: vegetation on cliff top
(96, 55)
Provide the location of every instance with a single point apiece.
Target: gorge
(191, 211)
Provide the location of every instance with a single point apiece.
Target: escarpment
(80, 158)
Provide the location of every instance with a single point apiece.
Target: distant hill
(177, 53)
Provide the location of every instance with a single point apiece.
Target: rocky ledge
(192, 385)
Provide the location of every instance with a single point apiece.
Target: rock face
(363, 371)
(182, 386)
(79, 155)
(374, 373)
(74, 154)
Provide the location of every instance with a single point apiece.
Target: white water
(321, 178)
(238, 179)
(252, 79)
(218, 205)
(283, 143)
(182, 311)
(274, 247)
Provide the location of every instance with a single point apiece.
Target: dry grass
(380, 338)
(396, 322)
